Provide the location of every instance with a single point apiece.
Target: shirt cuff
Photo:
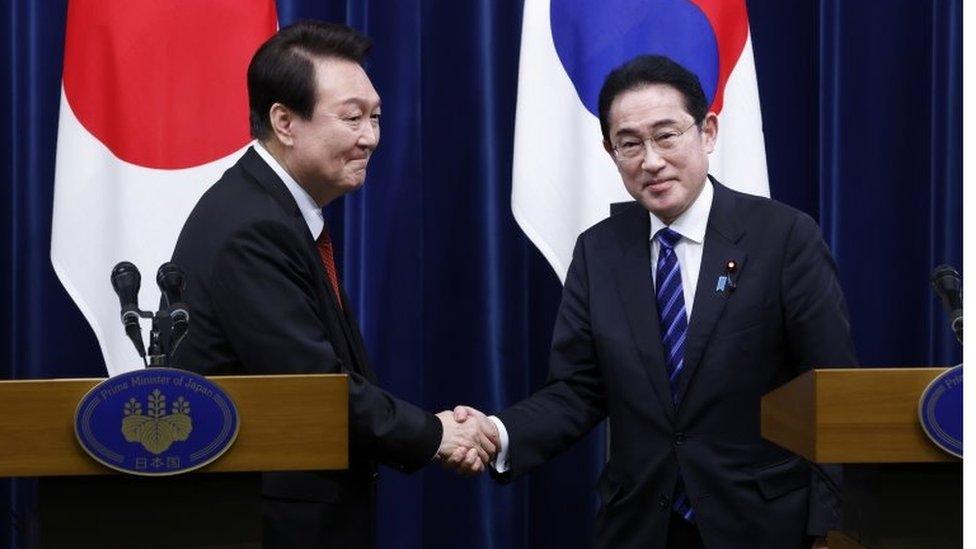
(500, 463)
(437, 449)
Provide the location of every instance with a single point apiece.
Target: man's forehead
(652, 105)
(356, 100)
(340, 81)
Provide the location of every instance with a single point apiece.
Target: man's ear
(282, 120)
(709, 132)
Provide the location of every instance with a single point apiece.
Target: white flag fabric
(563, 181)
(153, 110)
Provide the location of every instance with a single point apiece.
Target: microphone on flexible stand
(172, 282)
(169, 325)
(948, 286)
(126, 281)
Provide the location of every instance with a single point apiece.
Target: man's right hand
(465, 446)
(461, 459)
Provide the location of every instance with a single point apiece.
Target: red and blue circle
(593, 38)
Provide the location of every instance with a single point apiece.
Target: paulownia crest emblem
(155, 429)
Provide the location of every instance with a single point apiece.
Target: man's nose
(369, 137)
(653, 161)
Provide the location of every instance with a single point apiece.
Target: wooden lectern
(293, 422)
(901, 490)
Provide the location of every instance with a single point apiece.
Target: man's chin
(356, 180)
(661, 208)
(655, 201)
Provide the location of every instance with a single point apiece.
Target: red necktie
(324, 244)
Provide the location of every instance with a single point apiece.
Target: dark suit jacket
(786, 315)
(260, 304)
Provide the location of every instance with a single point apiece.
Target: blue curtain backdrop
(862, 106)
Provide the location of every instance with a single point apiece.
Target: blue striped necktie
(674, 328)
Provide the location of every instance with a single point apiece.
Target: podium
(288, 422)
(900, 489)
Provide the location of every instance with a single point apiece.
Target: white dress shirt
(311, 211)
(691, 225)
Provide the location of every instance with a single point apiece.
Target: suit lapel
(632, 273)
(341, 316)
(337, 320)
(721, 236)
(350, 327)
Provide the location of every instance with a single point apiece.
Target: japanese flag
(153, 110)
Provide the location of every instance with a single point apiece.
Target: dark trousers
(683, 534)
(314, 525)
(319, 509)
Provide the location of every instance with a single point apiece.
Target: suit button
(679, 438)
(664, 502)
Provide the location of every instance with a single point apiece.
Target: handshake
(470, 440)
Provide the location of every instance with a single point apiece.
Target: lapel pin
(722, 282)
(726, 282)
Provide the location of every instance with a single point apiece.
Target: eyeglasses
(664, 140)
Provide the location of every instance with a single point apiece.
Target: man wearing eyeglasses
(677, 315)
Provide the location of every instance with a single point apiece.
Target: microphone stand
(156, 354)
(157, 357)
(957, 328)
(163, 322)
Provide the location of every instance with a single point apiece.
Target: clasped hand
(470, 440)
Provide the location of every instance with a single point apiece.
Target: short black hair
(645, 70)
(282, 71)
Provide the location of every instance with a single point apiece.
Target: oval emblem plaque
(940, 411)
(155, 422)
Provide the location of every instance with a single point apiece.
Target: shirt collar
(691, 224)
(311, 211)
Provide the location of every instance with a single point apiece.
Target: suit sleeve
(818, 325)
(573, 400)
(819, 336)
(264, 296)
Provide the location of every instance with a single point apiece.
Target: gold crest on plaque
(156, 430)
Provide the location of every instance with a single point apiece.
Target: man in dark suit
(678, 314)
(265, 293)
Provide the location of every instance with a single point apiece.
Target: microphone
(125, 281)
(172, 282)
(948, 286)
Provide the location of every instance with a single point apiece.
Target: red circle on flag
(164, 84)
